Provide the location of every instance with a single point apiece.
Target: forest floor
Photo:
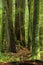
(21, 56)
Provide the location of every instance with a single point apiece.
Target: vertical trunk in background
(35, 32)
(10, 25)
(22, 22)
(31, 10)
(17, 25)
(4, 29)
(26, 22)
(29, 26)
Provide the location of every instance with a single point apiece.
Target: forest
(21, 30)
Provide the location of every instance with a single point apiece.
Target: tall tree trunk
(31, 10)
(17, 24)
(7, 17)
(26, 22)
(35, 32)
(22, 22)
(29, 26)
(12, 47)
(4, 29)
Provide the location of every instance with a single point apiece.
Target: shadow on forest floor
(37, 62)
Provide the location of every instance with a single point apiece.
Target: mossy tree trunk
(17, 24)
(22, 22)
(7, 18)
(35, 32)
(12, 47)
(29, 25)
(5, 34)
(30, 22)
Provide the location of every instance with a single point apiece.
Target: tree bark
(35, 32)
(4, 29)
(17, 24)
(8, 11)
(10, 27)
(30, 10)
(22, 22)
